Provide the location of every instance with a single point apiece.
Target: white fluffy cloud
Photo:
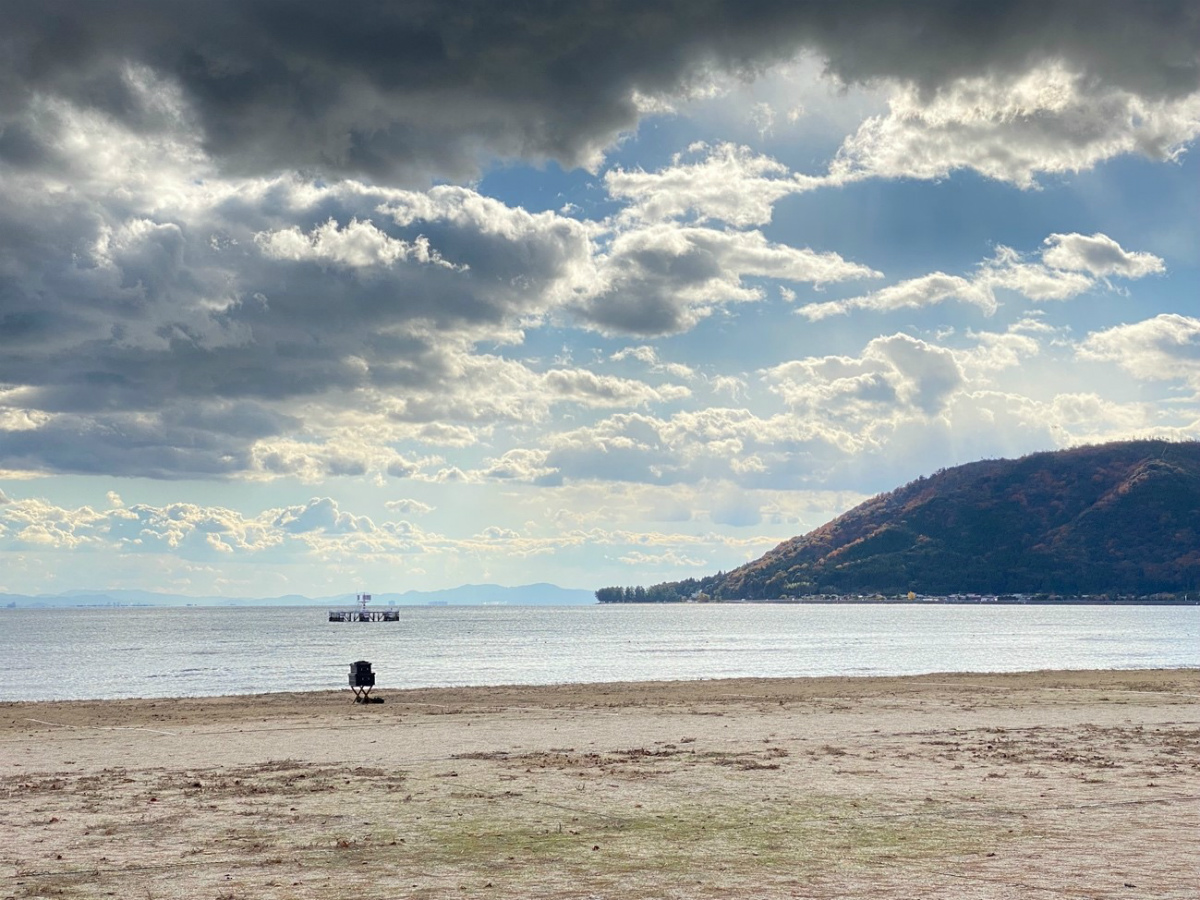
(915, 293)
(1036, 281)
(731, 184)
(649, 356)
(1164, 348)
(994, 352)
(894, 375)
(664, 278)
(185, 541)
(356, 245)
(341, 454)
(409, 507)
(1046, 120)
(1072, 264)
(1098, 255)
(193, 531)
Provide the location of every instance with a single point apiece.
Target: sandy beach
(1051, 784)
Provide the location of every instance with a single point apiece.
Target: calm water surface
(108, 653)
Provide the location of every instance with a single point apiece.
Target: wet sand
(1050, 784)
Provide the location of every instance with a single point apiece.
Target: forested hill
(1114, 518)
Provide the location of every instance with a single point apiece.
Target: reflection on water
(103, 653)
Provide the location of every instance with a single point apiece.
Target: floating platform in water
(362, 614)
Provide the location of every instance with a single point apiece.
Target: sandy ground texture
(1052, 784)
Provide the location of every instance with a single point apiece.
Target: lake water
(107, 653)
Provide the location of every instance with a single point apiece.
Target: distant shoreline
(779, 601)
(1187, 600)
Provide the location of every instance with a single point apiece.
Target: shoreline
(943, 785)
(1189, 599)
(383, 690)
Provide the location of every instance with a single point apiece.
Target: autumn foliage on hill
(1114, 518)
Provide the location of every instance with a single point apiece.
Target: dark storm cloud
(323, 295)
(141, 446)
(192, 342)
(425, 87)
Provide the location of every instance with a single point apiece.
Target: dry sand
(1052, 784)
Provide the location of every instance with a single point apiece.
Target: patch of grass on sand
(778, 837)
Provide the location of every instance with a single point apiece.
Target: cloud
(318, 528)
(718, 444)
(123, 444)
(995, 352)
(649, 356)
(896, 374)
(357, 245)
(904, 404)
(643, 353)
(606, 390)
(1012, 128)
(487, 389)
(1098, 255)
(203, 345)
(845, 416)
(522, 465)
(1036, 282)
(1164, 348)
(38, 525)
(1071, 265)
(1090, 418)
(658, 276)
(444, 434)
(409, 507)
(240, 298)
(923, 376)
(737, 509)
(733, 385)
(174, 538)
(658, 560)
(915, 293)
(320, 514)
(420, 89)
(664, 278)
(185, 529)
(344, 453)
(731, 184)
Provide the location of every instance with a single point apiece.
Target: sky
(313, 297)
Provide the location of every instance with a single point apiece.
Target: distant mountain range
(1121, 518)
(466, 595)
